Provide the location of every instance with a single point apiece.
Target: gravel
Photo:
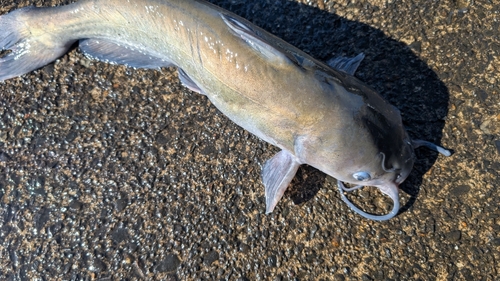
(111, 173)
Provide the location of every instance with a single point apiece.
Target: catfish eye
(361, 176)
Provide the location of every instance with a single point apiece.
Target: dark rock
(75, 205)
(453, 236)
(495, 242)
(120, 234)
(338, 277)
(460, 190)
(169, 264)
(42, 218)
(210, 257)
(365, 277)
(99, 266)
(271, 261)
(121, 204)
(4, 157)
(161, 139)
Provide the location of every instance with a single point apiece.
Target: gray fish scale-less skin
(319, 116)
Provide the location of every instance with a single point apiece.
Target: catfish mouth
(387, 187)
(390, 189)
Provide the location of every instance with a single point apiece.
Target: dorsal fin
(255, 41)
(347, 65)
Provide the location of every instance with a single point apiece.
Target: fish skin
(317, 115)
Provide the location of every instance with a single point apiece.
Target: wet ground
(110, 173)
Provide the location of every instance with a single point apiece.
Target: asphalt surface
(111, 173)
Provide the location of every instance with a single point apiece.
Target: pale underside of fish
(317, 114)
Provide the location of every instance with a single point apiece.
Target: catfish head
(365, 145)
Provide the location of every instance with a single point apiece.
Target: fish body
(316, 114)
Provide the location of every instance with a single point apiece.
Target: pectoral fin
(255, 41)
(277, 174)
(347, 65)
(112, 52)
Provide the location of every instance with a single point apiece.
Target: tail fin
(30, 47)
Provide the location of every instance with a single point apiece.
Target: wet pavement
(111, 173)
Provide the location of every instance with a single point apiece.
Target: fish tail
(25, 44)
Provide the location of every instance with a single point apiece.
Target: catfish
(317, 114)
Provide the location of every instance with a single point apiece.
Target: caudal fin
(28, 47)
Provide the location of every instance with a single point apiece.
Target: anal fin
(112, 52)
(277, 174)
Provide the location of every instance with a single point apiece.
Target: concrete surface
(109, 173)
